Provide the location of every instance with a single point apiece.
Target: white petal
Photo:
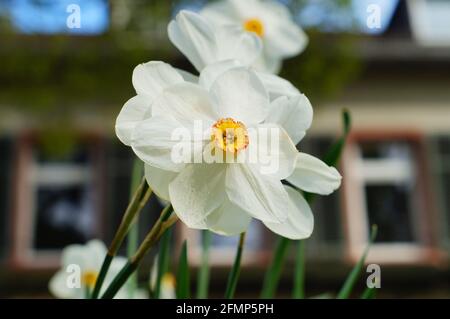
(95, 251)
(210, 73)
(186, 103)
(277, 86)
(262, 196)
(154, 142)
(150, 79)
(228, 219)
(196, 192)
(159, 180)
(220, 13)
(245, 8)
(267, 63)
(194, 37)
(58, 286)
(300, 221)
(132, 112)
(314, 176)
(116, 266)
(187, 76)
(74, 254)
(294, 114)
(285, 40)
(275, 152)
(233, 43)
(239, 94)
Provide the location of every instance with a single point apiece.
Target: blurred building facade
(65, 178)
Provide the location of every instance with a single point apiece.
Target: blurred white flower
(80, 266)
(167, 289)
(223, 48)
(223, 197)
(270, 20)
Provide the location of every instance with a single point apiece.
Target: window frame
(22, 254)
(355, 219)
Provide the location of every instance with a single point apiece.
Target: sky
(50, 16)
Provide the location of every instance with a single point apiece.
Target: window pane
(64, 216)
(254, 239)
(385, 150)
(388, 207)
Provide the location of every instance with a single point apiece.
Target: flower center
(89, 278)
(254, 25)
(168, 279)
(229, 135)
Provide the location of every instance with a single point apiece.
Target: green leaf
(298, 291)
(369, 293)
(183, 284)
(235, 271)
(163, 260)
(334, 153)
(203, 273)
(133, 235)
(347, 288)
(273, 273)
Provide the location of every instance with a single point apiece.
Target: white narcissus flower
(67, 283)
(205, 45)
(270, 20)
(224, 197)
(152, 78)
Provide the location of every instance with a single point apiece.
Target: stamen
(254, 25)
(229, 135)
(89, 278)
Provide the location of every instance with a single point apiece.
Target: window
(385, 184)
(440, 146)
(57, 201)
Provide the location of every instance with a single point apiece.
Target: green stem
(369, 293)
(161, 225)
(133, 235)
(101, 276)
(183, 281)
(163, 261)
(299, 272)
(133, 209)
(235, 271)
(203, 274)
(273, 273)
(120, 280)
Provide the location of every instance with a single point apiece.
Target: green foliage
(203, 273)
(235, 270)
(163, 260)
(183, 281)
(273, 273)
(349, 283)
